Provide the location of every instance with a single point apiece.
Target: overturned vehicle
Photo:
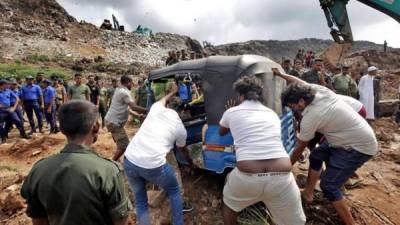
(212, 79)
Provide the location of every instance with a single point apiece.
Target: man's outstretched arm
(137, 108)
(173, 91)
(288, 78)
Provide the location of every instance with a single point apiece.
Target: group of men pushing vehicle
(79, 187)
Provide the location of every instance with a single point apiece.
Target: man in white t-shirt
(352, 141)
(354, 104)
(145, 158)
(263, 168)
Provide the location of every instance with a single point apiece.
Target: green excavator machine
(338, 20)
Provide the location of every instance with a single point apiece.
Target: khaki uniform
(354, 89)
(312, 77)
(342, 84)
(76, 187)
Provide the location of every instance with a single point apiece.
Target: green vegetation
(8, 168)
(18, 69)
(37, 58)
(254, 215)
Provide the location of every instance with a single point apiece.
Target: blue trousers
(20, 115)
(30, 107)
(51, 117)
(340, 166)
(164, 177)
(9, 118)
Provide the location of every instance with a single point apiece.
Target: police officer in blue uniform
(7, 112)
(17, 91)
(13, 87)
(32, 97)
(49, 97)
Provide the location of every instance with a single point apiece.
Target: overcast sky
(225, 21)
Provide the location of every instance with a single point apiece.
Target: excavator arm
(338, 20)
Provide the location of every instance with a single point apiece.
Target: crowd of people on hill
(331, 123)
(364, 87)
(183, 55)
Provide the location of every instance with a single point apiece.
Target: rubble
(29, 27)
(12, 203)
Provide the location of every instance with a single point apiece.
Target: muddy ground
(374, 201)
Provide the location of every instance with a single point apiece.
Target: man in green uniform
(315, 75)
(79, 91)
(77, 186)
(102, 102)
(298, 68)
(110, 91)
(342, 82)
(354, 86)
(141, 94)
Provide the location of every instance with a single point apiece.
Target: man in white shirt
(350, 140)
(118, 113)
(263, 168)
(354, 104)
(145, 158)
(366, 91)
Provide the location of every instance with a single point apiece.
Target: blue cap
(12, 81)
(46, 81)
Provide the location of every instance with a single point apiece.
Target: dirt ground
(374, 201)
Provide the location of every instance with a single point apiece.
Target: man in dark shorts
(352, 141)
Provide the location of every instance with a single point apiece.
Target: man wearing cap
(61, 94)
(342, 82)
(7, 112)
(49, 97)
(32, 98)
(366, 91)
(13, 86)
(17, 91)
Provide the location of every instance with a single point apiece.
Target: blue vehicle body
(218, 151)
